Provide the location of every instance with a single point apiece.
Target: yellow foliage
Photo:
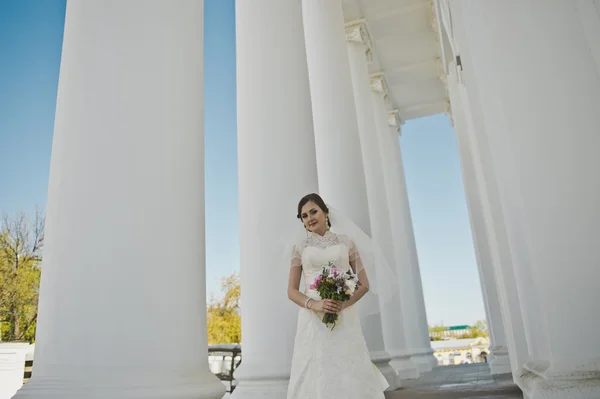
(224, 322)
(20, 257)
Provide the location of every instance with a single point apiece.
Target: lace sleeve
(356, 264)
(296, 258)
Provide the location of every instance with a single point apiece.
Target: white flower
(351, 284)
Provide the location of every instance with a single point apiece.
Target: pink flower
(316, 283)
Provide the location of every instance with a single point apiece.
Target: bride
(328, 363)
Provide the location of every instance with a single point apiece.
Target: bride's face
(313, 218)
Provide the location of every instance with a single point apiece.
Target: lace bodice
(316, 251)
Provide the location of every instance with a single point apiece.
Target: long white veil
(383, 281)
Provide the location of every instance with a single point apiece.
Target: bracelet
(306, 302)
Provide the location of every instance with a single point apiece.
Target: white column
(339, 159)
(541, 121)
(275, 134)
(504, 213)
(122, 309)
(391, 316)
(405, 251)
(498, 360)
(478, 156)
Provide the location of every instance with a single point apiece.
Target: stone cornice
(442, 72)
(433, 20)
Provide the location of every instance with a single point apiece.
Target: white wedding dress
(330, 364)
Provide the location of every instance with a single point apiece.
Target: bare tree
(21, 245)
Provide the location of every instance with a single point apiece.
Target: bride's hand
(327, 306)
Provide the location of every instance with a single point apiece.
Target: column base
(500, 361)
(381, 360)
(258, 380)
(261, 389)
(536, 386)
(12, 367)
(125, 385)
(424, 360)
(404, 367)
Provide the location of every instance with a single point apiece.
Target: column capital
(358, 32)
(394, 119)
(378, 83)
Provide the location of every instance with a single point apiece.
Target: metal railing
(223, 361)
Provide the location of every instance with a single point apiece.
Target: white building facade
(323, 88)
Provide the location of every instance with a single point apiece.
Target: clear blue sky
(30, 45)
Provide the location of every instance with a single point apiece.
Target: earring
(327, 222)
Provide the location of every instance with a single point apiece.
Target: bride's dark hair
(316, 198)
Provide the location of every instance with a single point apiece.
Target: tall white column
(339, 159)
(275, 133)
(486, 122)
(541, 121)
(470, 133)
(499, 361)
(405, 251)
(391, 313)
(122, 309)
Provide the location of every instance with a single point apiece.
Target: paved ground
(471, 381)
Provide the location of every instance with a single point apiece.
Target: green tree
(224, 323)
(21, 244)
(436, 332)
(478, 330)
(481, 325)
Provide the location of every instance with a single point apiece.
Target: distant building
(452, 331)
(461, 351)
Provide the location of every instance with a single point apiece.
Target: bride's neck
(321, 233)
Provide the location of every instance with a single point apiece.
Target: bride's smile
(313, 218)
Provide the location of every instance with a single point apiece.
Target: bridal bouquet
(334, 283)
